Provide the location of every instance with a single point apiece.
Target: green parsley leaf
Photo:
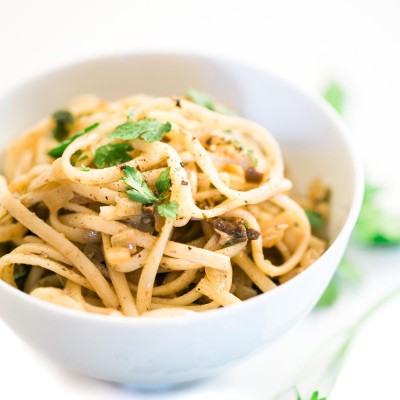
(315, 219)
(112, 154)
(63, 119)
(140, 192)
(84, 168)
(59, 150)
(168, 210)
(200, 98)
(163, 181)
(335, 96)
(150, 130)
(205, 100)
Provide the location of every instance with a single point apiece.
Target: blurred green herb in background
(314, 396)
(345, 277)
(335, 96)
(375, 225)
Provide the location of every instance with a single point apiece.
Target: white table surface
(310, 42)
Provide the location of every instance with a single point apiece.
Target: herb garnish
(64, 119)
(59, 150)
(112, 154)
(168, 210)
(139, 191)
(150, 130)
(316, 221)
(205, 100)
(163, 181)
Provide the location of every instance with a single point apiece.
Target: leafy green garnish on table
(150, 130)
(205, 100)
(63, 119)
(314, 396)
(139, 191)
(346, 276)
(335, 96)
(58, 151)
(112, 154)
(375, 225)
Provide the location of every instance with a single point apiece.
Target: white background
(310, 42)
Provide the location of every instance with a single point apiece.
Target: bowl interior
(310, 141)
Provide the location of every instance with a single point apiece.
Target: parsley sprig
(150, 130)
(58, 151)
(205, 100)
(112, 154)
(63, 119)
(139, 191)
(316, 221)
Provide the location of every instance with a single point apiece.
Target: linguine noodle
(218, 225)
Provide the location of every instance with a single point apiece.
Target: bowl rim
(317, 101)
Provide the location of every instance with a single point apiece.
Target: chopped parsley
(163, 181)
(168, 210)
(205, 100)
(63, 119)
(201, 98)
(150, 130)
(316, 221)
(59, 150)
(139, 191)
(112, 154)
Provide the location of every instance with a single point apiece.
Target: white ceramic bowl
(184, 348)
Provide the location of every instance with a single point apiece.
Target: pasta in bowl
(111, 198)
(165, 205)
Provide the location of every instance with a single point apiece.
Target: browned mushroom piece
(252, 175)
(233, 230)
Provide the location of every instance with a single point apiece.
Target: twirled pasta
(73, 236)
